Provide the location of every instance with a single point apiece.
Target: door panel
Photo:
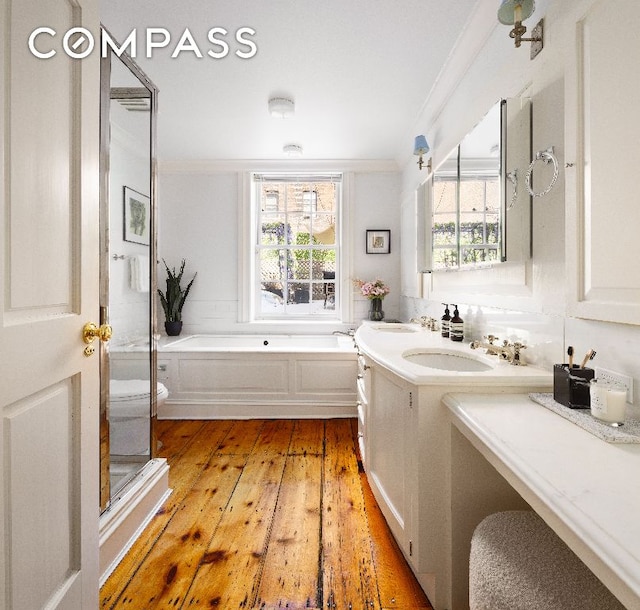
(41, 452)
(49, 388)
(42, 149)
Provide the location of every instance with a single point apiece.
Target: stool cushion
(518, 562)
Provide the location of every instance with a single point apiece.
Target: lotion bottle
(456, 329)
(445, 321)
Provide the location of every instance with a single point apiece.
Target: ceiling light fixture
(514, 12)
(292, 151)
(281, 107)
(421, 147)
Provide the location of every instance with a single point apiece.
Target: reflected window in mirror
(466, 199)
(476, 211)
(445, 214)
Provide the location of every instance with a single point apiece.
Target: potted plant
(173, 299)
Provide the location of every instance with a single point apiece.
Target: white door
(49, 389)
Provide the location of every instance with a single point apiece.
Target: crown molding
(265, 165)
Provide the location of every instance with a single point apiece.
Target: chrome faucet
(426, 322)
(489, 347)
(507, 351)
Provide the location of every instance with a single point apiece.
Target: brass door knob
(91, 331)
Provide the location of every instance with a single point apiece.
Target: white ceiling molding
(262, 165)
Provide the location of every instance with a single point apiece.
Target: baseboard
(124, 520)
(246, 410)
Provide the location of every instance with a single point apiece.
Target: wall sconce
(421, 148)
(513, 12)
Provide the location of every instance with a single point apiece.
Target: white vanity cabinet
(407, 440)
(407, 464)
(602, 131)
(389, 442)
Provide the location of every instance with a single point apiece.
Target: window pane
(271, 300)
(274, 230)
(472, 196)
(301, 264)
(299, 293)
(444, 258)
(274, 266)
(479, 255)
(324, 265)
(444, 233)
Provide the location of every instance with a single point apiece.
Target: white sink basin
(446, 360)
(394, 328)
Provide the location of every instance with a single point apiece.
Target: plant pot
(173, 329)
(375, 310)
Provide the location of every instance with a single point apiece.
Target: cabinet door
(602, 135)
(387, 432)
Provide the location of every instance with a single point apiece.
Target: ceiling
(359, 74)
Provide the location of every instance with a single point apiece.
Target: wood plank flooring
(264, 515)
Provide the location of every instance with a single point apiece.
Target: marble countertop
(386, 344)
(586, 489)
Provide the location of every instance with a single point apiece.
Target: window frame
(250, 280)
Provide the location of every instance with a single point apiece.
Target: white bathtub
(258, 376)
(260, 343)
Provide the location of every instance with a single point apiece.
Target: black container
(571, 386)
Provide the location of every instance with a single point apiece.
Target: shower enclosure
(127, 277)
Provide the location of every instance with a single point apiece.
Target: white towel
(139, 273)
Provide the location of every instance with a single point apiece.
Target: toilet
(129, 415)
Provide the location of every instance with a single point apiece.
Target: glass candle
(608, 401)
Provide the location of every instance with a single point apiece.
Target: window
(295, 271)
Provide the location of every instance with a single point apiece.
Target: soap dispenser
(445, 321)
(456, 330)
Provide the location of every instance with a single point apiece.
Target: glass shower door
(127, 273)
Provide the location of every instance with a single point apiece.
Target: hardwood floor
(265, 514)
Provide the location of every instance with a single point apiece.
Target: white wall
(199, 221)
(535, 308)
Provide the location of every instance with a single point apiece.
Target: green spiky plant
(173, 299)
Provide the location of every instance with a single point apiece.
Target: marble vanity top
(586, 489)
(387, 343)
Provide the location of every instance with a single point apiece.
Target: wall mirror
(477, 209)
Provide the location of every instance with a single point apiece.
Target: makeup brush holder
(571, 386)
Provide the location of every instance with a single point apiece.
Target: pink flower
(372, 290)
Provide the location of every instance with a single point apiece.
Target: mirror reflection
(479, 213)
(467, 203)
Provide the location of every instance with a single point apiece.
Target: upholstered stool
(518, 562)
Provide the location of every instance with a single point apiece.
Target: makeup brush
(570, 353)
(588, 356)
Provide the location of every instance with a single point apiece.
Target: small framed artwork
(378, 241)
(137, 216)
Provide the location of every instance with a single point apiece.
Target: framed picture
(137, 217)
(378, 241)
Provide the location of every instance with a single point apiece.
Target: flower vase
(375, 310)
